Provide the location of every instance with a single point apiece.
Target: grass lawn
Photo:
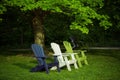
(103, 65)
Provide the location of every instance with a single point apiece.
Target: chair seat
(72, 61)
(63, 64)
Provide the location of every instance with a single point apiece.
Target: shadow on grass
(30, 65)
(24, 66)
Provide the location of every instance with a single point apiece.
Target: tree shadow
(24, 66)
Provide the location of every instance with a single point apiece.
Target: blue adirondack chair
(42, 65)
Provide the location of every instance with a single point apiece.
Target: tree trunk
(38, 28)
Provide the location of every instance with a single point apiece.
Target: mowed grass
(101, 67)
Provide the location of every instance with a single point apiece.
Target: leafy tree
(84, 13)
(2, 9)
(112, 9)
(107, 37)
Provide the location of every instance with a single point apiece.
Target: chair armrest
(65, 54)
(69, 54)
(56, 55)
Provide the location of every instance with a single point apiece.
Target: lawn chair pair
(81, 58)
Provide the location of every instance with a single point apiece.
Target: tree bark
(38, 27)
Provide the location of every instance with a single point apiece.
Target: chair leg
(78, 60)
(84, 57)
(79, 63)
(56, 63)
(67, 64)
(46, 67)
(86, 62)
(75, 65)
(58, 68)
(68, 67)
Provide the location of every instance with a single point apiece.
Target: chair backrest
(56, 49)
(38, 51)
(67, 46)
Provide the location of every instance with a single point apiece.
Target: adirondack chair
(63, 58)
(42, 65)
(80, 58)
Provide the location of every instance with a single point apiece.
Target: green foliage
(84, 14)
(113, 10)
(2, 9)
(83, 11)
(75, 25)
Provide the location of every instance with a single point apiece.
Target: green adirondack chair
(81, 57)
